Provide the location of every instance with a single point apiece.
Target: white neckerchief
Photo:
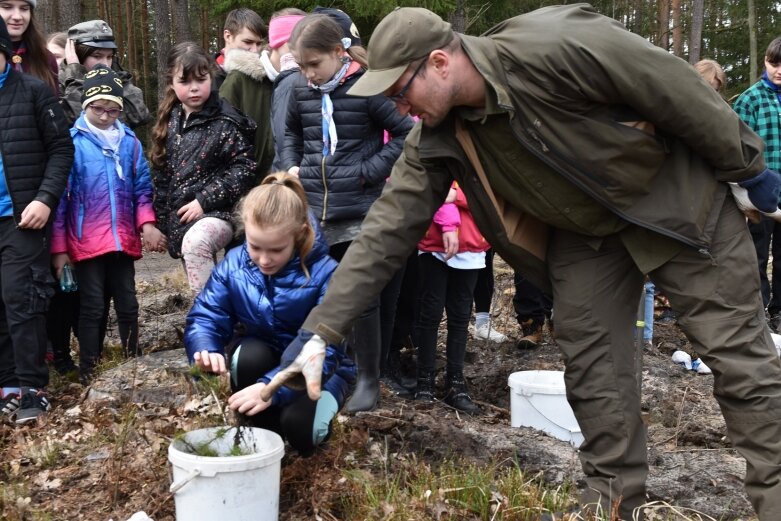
(330, 138)
(110, 139)
(271, 72)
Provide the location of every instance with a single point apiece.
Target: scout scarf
(330, 139)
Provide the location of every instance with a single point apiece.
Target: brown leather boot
(532, 335)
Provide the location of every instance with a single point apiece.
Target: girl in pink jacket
(450, 256)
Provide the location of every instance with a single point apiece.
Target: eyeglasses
(99, 111)
(399, 96)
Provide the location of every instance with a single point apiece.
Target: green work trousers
(596, 295)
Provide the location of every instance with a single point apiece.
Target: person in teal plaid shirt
(760, 107)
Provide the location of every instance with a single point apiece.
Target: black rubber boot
(425, 390)
(367, 349)
(457, 395)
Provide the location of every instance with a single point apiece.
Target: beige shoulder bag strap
(522, 229)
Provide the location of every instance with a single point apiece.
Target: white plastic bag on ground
(140, 516)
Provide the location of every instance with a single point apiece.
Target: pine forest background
(733, 32)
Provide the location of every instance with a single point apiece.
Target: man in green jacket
(589, 159)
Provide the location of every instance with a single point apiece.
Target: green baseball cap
(403, 36)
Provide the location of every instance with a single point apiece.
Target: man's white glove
(303, 358)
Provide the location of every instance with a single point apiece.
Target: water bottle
(68, 279)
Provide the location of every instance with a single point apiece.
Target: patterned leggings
(199, 249)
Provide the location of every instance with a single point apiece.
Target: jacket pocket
(80, 221)
(41, 289)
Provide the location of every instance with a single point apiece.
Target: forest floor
(102, 452)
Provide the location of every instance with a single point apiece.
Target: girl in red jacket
(451, 255)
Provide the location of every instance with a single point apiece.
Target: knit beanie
(101, 83)
(33, 3)
(5, 42)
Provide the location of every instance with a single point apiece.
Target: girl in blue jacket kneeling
(267, 288)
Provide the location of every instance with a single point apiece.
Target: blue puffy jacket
(270, 308)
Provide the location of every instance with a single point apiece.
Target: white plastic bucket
(538, 399)
(222, 488)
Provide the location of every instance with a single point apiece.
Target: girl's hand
(59, 260)
(293, 170)
(70, 52)
(248, 400)
(451, 196)
(35, 216)
(153, 239)
(450, 242)
(210, 362)
(190, 212)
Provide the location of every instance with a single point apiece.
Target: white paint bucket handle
(175, 487)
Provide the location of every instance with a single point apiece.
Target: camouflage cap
(95, 33)
(404, 35)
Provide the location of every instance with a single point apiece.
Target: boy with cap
(36, 155)
(247, 85)
(583, 181)
(102, 238)
(90, 43)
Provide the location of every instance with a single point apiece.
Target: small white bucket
(224, 487)
(538, 399)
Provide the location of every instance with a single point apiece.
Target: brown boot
(532, 335)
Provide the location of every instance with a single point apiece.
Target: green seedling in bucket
(205, 447)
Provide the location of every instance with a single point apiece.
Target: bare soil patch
(102, 452)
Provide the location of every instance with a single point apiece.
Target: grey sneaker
(9, 404)
(33, 405)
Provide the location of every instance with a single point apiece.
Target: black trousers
(529, 302)
(443, 288)
(108, 276)
(26, 286)
(295, 421)
(484, 287)
(767, 238)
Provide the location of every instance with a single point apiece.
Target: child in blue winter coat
(100, 220)
(269, 286)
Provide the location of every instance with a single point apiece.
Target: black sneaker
(9, 403)
(33, 405)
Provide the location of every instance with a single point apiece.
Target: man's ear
(227, 36)
(439, 62)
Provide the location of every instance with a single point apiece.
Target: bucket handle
(175, 487)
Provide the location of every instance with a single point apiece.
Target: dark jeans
(484, 287)
(108, 276)
(62, 318)
(767, 238)
(529, 302)
(295, 421)
(406, 303)
(443, 288)
(26, 286)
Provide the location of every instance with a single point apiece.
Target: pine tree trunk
(664, 24)
(69, 13)
(677, 28)
(132, 63)
(162, 42)
(752, 41)
(145, 50)
(181, 20)
(695, 43)
(119, 26)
